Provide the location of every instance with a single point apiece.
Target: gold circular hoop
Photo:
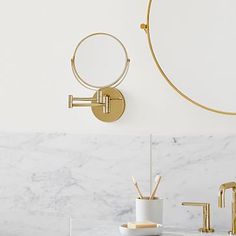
(146, 28)
(117, 81)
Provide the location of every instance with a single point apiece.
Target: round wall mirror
(193, 45)
(100, 60)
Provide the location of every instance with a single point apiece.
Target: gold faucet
(206, 228)
(221, 202)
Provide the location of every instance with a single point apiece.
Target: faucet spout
(221, 202)
(221, 198)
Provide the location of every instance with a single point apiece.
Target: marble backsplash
(46, 178)
(193, 168)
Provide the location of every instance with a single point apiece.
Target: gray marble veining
(46, 178)
(49, 177)
(193, 169)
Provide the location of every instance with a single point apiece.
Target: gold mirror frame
(146, 28)
(107, 103)
(117, 81)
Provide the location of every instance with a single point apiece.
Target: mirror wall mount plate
(147, 27)
(100, 62)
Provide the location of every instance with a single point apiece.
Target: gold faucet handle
(206, 228)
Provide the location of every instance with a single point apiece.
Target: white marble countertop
(184, 232)
(60, 226)
(111, 230)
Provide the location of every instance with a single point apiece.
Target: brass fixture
(107, 103)
(146, 27)
(206, 228)
(221, 202)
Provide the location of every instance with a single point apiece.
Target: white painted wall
(37, 41)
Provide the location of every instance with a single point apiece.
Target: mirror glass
(100, 59)
(195, 44)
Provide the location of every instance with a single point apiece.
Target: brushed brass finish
(108, 104)
(114, 105)
(117, 81)
(146, 27)
(72, 100)
(221, 202)
(206, 228)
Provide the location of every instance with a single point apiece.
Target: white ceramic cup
(149, 210)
